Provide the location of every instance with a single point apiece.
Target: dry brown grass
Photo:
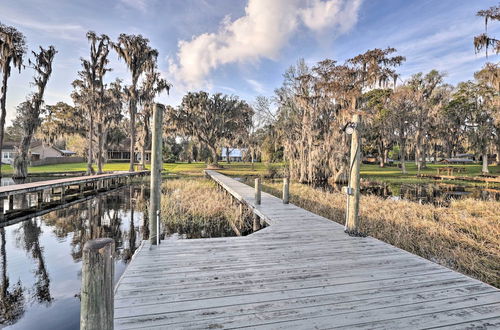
(464, 236)
(195, 207)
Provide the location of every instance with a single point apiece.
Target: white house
(38, 151)
(235, 155)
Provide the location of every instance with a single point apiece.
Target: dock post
(63, 194)
(11, 202)
(257, 191)
(352, 219)
(39, 195)
(256, 222)
(1, 208)
(97, 301)
(286, 191)
(155, 180)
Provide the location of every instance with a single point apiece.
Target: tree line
(422, 118)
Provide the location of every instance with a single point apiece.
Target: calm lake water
(40, 258)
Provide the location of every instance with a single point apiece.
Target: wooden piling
(256, 222)
(11, 202)
(39, 195)
(97, 301)
(156, 167)
(286, 191)
(257, 191)
(352, 221)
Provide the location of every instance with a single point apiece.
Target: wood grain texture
(300, 272)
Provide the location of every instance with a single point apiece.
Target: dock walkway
(301, 272)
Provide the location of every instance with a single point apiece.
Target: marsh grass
(195, 208)
(464, 236)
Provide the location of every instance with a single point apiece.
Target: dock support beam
(39, 201)
(286, 191)
(352, 219)
(11, 202)
(257, 191)
(156, 166)
(97, 301)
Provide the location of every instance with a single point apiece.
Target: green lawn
(393, 173)
(372, 172)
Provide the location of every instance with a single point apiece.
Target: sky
(243, 47)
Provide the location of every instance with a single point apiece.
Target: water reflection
(40, 258)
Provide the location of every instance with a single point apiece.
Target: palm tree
(30, 110)
(12, 50)
(139, 56)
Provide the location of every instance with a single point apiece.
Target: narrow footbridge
(300, 272)
(51, 194)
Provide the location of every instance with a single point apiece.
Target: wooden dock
(66, 190)
(300, 272)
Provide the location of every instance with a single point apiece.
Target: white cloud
(141, 5)
(262, 32)
(257, 86)
(65, 31)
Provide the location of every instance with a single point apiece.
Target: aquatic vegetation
(195, 208)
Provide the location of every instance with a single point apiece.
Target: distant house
(235, 155)
(460, 159)
(38, 151)
(120, 152)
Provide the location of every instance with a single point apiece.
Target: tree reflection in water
(102, 216)
(11, 301)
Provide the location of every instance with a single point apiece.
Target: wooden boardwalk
(68, 190)
(301, 272)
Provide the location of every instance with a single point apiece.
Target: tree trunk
(402, 157)
(100, 146)
(485, 162)
(132, 110)
(381, 156)
(214, 155)
(21, 161)
(3, 99)
(386, 155)
(227, 155)
(90, 160)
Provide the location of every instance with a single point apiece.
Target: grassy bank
(464, 236)
(195, 208)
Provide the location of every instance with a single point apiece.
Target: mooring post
(156, 165)
(11, 202)
(352, 221)
(256, 222)
(97, 301)
(39, 195)
(257, 191)
(63, 195)
(286, 191)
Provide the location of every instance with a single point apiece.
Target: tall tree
(152, 85)
(90, 87)
(211, 119)
(12, 51)
(109, 114)
(423, 87)
(30, 110)
(139, 56)
(401, 114)
(475, 99)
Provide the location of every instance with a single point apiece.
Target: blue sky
(243, 47)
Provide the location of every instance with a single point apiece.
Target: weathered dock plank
(301, 272)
